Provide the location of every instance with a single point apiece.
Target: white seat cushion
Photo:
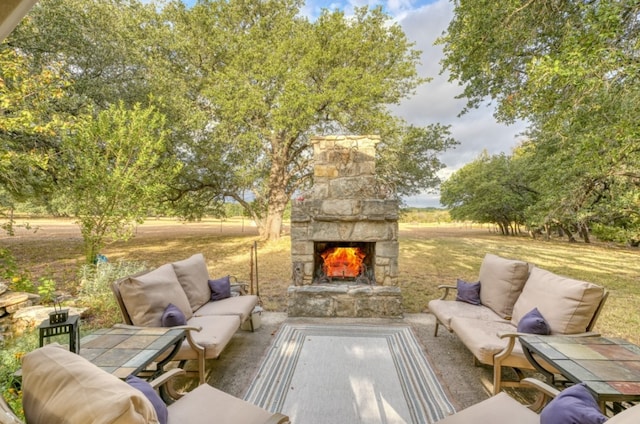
(445, 310)
(241, 306)
(566, 304)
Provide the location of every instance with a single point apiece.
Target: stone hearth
(345, 207)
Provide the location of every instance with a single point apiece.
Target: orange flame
(345, 262)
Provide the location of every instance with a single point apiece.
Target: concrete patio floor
(465, 383)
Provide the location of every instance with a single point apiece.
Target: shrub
(95, 288)
(10, 361)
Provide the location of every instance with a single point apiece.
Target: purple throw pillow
(534, 323)
(468, 292)
(154, 398)
(173, 316)
(220, 288)
(573, 405)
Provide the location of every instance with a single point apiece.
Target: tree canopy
(116, 166)
(571, 70)
(243, 85)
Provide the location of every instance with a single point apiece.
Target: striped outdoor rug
(320, 374)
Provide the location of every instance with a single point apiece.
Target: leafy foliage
(571, 70)
(491, 189)
(95, 289)
(269, 79)
(118, 165)
(242, 85)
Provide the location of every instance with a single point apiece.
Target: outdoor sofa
(59, 386)
(144, 300)
(572, 405)
(486, 315)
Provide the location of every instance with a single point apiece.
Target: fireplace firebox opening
(337, 262)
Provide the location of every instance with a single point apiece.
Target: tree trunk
(278, 197)
(273, 225)
(584, 233)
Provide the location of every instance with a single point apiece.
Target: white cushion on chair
(498, 409)
(566, 304)
(193, 275)
(146, 296)
(62, 387)
(501, 282)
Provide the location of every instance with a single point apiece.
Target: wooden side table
(71, 327)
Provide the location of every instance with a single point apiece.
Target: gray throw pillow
(468, 292)
(173, 316)
(534, 323)
(220, 288)
(573, 405)
(161, 409)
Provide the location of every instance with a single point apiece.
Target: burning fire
(344, 262)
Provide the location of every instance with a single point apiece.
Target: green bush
(10, 361)
(95, 289)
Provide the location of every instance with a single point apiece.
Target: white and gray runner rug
(345, 374)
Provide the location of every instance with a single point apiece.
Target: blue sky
(423, 21)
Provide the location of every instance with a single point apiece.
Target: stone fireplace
(344, 236)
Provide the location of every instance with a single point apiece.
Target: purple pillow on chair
(573, 405)
(173, 316)
(150, 393)
(468, 292)
(534, 323)
(220, 288)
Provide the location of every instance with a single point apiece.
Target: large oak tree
(270, 79)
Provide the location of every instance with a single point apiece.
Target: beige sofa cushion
(193, 276)
(481, 338)
(217, 331)
(445, 310)
(566, 304)
(146, 296)
(205, 405)
(501, 282)
(241, 306)
(628, 416)
(501, 408)
(62, 387)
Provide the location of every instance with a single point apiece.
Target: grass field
(429, 255)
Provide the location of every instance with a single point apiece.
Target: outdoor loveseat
(182, 293)
(62, 387)
(510, 294)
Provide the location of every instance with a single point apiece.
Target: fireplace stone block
(340, 300)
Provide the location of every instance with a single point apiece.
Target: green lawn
(429, 255)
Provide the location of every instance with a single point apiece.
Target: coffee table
(609, 367)
(125, 350)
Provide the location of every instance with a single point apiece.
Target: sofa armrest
(178, 327)
(162, 382)
(512, 336)
(446, 289)
(188, 329)
(238, 287)
(546, 392)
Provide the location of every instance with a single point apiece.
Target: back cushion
(501, 282)
(193, 275)
(62, 387)
(566, 304)
(146, 296)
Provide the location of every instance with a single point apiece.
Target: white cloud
(436, 101)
